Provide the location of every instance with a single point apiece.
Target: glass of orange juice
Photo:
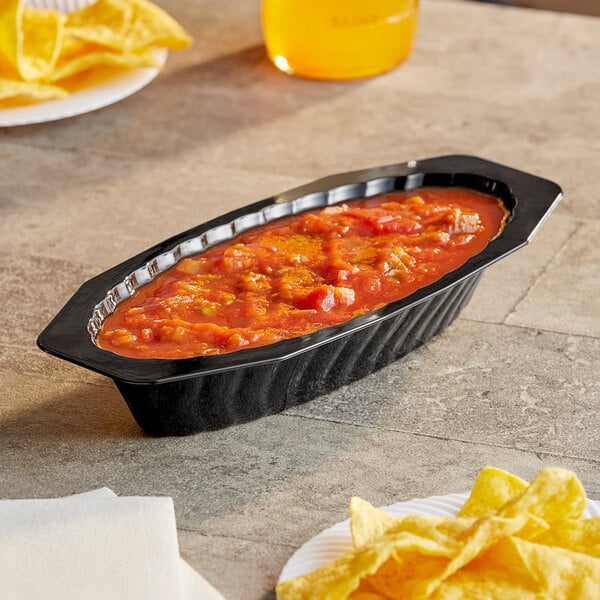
(338, 39)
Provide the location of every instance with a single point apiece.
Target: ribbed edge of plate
(65, 6)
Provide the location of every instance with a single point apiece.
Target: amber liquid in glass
(338, 39)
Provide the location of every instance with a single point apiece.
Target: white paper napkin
(94, 546)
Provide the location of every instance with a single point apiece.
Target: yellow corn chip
(127, 26)
(530, 570)
(400, 577)
(559, 573)
(555, 494)
(105, 22)
(365, 592)
(495, 575)
(11, 88)
(337, 579)
(577, 536)
(492, 488)
(30, 39)
(41, 43)
(447, 531)
(486, 532)
(11, 34)
(367, 523)
(68, 67)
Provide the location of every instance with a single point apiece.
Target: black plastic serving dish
(178, 397)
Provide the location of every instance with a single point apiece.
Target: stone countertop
(512, 382)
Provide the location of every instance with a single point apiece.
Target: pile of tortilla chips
(510, 541)
(40, 48)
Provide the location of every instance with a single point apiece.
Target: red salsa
(302, 273)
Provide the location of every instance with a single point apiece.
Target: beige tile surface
(506, 283)
(512, 382)
(565, 296)
(504, 386)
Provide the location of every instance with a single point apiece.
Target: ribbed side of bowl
(218, 400)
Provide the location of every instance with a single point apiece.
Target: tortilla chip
(334, 580)
(368, 523)
(41, 43)
(492, 488)
(547, 572)
(11, 12)
(30, 39)
(337, 579)
(577, 536)
(127, 26)
(365, 592)
(400, 577)
(447, 531)
(486, 532)
(11, 88)
(495, 575)
(559, 573)
(555, 494)
(105, 22)
(67, 67)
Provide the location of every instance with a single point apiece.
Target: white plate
(336, 540)
(111, 89)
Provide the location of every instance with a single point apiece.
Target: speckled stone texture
(513, 382)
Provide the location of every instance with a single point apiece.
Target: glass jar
(338, 39)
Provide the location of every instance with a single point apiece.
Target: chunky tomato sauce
(302, 273)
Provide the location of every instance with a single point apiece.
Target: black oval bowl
(178, 397)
